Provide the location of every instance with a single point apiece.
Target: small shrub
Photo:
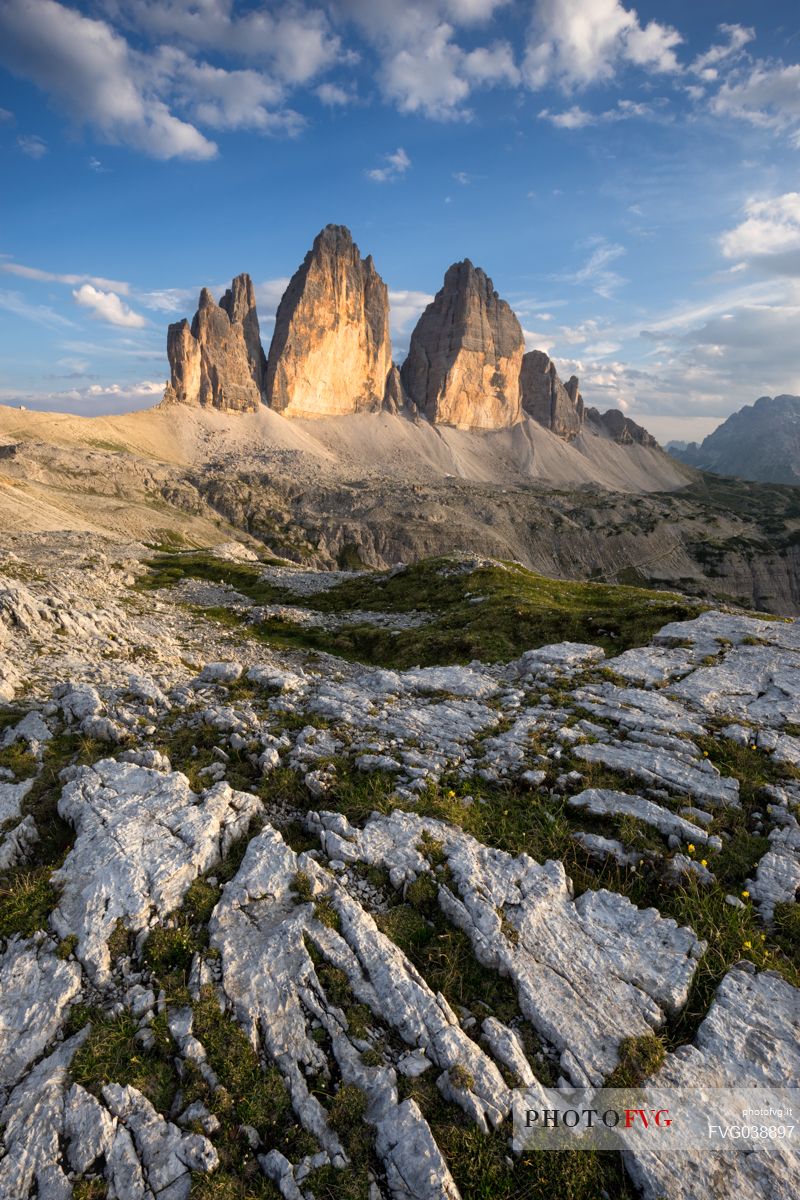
(639, 1057)
(461, 1078)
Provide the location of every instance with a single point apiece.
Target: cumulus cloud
(90, 70)
(107, 306)
(405, 308)
(223, 99)
(269, 294)
(771, 226)
(294, 43)
(766, 95)
(334, 96)
(32, 145)
(578, 118)
(423, 68)
(395, 166)
(580, 42)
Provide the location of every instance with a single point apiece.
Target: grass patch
(19, 760)
(492, 613)
(111, 1054)
(26, 900)
(482, 1167)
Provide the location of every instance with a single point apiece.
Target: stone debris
(602, 802)
(683, 774)
(141, 838)
(140, 1154)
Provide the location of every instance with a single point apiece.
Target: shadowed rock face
(465, 355)
(622, 429)
(331, 351)
(218, 362)
(557, 406)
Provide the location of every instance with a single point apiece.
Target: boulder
(331, 350)
(464, 360)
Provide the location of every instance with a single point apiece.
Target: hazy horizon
(624, 176)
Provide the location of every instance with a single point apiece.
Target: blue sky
(628, 178)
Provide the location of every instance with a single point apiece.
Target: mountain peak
(464, 360)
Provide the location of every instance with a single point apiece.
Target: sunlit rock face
(465, 356)
(331, 351)
(218, 362)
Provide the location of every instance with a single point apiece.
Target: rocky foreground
(277, 923)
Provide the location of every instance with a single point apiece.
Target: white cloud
(91, 71)
(572, 118)
(294, 43)
(41, 276)
(167, 300)
(596, 272)
(269, 294)
(426, 77)
(13, 302)
(107, 306)
(771, 229)
(6, 115)
(766, 95)
(93, 399)
(404, 310)
(491, 65)
(737, 37)
(334, 96)
(32, 145)
(578, 118)
(397, 163)
(579, 42)
(472, 11)
(422, 66)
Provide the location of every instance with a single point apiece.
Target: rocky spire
(465, 355)
(331, 351)
(218, 362)
(557, 406)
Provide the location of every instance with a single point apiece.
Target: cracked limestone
(142, 837)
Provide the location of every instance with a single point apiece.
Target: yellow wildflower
(748, 945)
(690, 847)
(703, 862)
(746, 894)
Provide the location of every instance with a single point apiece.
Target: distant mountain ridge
(331, 354)
(760, 442)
